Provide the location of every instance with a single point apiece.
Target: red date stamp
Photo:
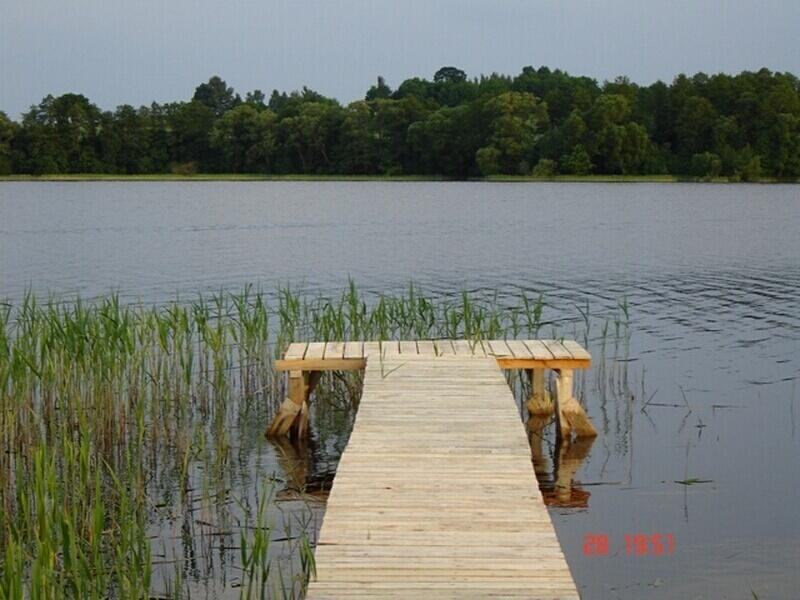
(636, 544)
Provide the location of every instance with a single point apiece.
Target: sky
(159, 50)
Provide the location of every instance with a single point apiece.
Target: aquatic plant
(116, 424)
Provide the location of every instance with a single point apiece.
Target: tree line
(540, 122)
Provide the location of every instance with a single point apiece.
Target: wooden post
(293, 458)
(292, 416)
(570, 413)
(536, 425)
(568, 458)
(540, 403)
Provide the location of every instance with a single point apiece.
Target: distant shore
(86, 177)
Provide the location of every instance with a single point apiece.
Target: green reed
(115, 416)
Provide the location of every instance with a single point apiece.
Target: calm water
(707, 389)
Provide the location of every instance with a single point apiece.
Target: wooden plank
(462, 348)
(408, 347)
(538, 349)
(354, 349)
(390, 348)
(444, 348)
(315, 350)
(321, 364)
(372, 349)
(296, 350)
(479, 348)
(557, 349)
(576, 350)
(510, 354)
(334, 350)
(527, 363)
(438, 498)
(425, 348)
(499, 348)
(519, 349)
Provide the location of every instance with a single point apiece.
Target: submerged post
(292, 416)
(571, 415)
(540, 403)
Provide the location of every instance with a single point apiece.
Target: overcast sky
(135, 52)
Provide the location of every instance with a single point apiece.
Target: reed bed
(126, 433)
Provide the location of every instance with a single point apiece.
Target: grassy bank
(255, 177)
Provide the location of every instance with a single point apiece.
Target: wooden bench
(305, 362)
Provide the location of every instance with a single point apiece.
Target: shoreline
(241, 177)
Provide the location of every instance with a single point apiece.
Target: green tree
(545, 168)
(694, 127)
(784, 146)
(217, 96)
(577, 162)
(451, 88)
(488, 160)
(357, 149)
(190, 126)
(379, 90)
(706, 165)
(392, 120)
(517, 120)
(749, 165)
(443, 143)
(256, 99)
(309, 136)
(740, 126)
(617, 144)
(61, 136)
(417, 87)
(125, 141)
(8, 130)
(246, 139)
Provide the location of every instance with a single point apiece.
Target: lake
(697, 413)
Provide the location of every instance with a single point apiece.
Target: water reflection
(303, 479)
(556, 471)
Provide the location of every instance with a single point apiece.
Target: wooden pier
(435, 493)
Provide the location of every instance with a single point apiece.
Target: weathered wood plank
(334, 350)
(390, 348)
(499, 348)
(354, 349)
(519, 349)
(538, 349)
(414, 485)
(296, 350)
(425, 348)
(557, 349)
(462, 348)
(444, 348)
(407, 347)
(576, 350)
(315, 351)
(320, 364)
(372, 349)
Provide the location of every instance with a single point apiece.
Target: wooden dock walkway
(435, 493)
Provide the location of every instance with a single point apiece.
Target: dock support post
(570, 413)
(292, 416)
(568, 459)
(540, 403)
(536, 426)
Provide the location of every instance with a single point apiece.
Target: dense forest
(540, 122)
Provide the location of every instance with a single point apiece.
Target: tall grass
(116, 419)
